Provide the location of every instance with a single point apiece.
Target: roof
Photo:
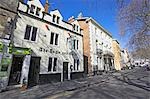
(91, 19)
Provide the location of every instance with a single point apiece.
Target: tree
(134, 21)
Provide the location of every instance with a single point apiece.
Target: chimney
(46, 7)
(71, 19)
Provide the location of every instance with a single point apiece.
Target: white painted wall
(43, 40)
(104, 43)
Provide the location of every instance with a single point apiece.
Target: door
(16, 68)
(65, 70)
(85, 64)
(34, 70)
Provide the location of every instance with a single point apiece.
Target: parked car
(145, 64)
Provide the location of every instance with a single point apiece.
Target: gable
(36, 3)
(57, 13)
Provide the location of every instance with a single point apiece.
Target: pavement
(127, 84)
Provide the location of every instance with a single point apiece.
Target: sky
(103, 11)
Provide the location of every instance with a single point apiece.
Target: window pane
(78, 64)
(56, 39)
(52, 38)
(77, 43)
(34, 32)
(38, 11)
(27, 32)
(55, 64)
(58, 20)
(54, 16)
(32, 9)
(50, 64)
(74, 41)
(74, 64)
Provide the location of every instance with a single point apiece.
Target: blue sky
(103, 11)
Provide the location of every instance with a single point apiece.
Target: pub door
(65, 70)
(34, 70)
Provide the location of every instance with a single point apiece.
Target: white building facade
(100, 45)
(49, 49)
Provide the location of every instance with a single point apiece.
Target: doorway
(65, 70)
(16, 68)
(33, 77)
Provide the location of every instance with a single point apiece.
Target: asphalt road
(129, 84)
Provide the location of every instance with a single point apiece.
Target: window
(74, 46)
(50, 64)
(74, 64)
(95, 30)
(30, 33)
(77, 28)
(58, 18)
(54, 16)
(78, 64)
(32, 9)
(77, 44)
(27, 32)
(56, 39)
(55, 64)
(52, 38)
(74, 27)
(38, 11)
(33, 38)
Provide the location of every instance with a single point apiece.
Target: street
(127, 84)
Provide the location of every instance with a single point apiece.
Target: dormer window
(38, 11)
(58, 18)
(74, 27)
(32, 9)
(54, 17)
(77, 28)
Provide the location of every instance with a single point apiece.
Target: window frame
(32, 9)
(54, 18)
(56, 39)
(50, 67)
(31, 33)
(38, 11)
(52, 38)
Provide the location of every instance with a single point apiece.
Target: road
(131, 84)
(127, 84)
